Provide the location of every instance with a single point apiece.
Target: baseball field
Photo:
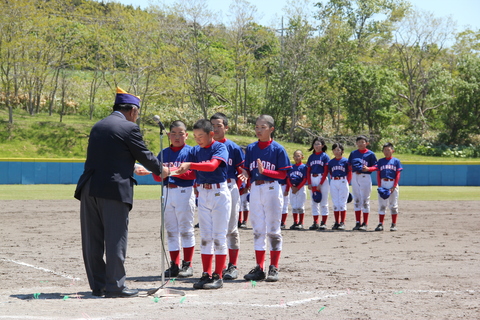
(428, 269)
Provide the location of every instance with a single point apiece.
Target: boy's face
(388, 151)
(177, 136)
(297, 157)
(262, 130)
(362, 144)
(202, 138)
(338, 152)
(219, 129)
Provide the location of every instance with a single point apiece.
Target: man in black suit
(105, 190)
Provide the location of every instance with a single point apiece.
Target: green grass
(150, 192)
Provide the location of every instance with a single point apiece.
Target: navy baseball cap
(383, 192)
(317, 196)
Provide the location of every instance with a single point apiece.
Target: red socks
(188, 254)
(245, 215)
(324, 219)
(343, 216)
(175, 257)
(358, 216)
(207, 263)
(284, 218)
(233, 256)
(295, 218)
(315, 219)
(337, 216)
(220, 263)
(301, 218)
(365, 218)
(260, 257)
(274, 258)
(381, 218)
(394, 218)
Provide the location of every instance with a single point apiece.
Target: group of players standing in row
(220, 174)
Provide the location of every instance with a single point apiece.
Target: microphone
(156, 118)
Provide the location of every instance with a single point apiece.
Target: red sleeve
(206, 166)
(309, 176)
(325, 174)
(156, 178)
(238, 181)
(349, 174)
(276, 174)
(189, 175)
(397, 179)
(379, 179)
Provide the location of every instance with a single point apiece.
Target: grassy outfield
(62, 192)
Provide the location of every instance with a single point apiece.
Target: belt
(260, 182)
(211, 185)
(316, 174)
(172, 186)
(386, 179)
(230, 180)
(338, 178)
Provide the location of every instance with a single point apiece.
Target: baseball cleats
(186, 270)
(214, 282)
(341, 226)
(379, 227)
(314, 226)
(172, 271)
(255, 274)
(363, 227)
(357, 226)
(231, 273)
(202, 281)
(283, 226)
(197, 225)
(272, 274)
(393, 227)
(323, 226)
(296, 226)
(243, 225)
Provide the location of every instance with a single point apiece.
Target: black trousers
(104, 225)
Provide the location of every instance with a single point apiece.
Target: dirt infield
(429, 269)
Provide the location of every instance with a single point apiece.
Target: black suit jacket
(113, 147)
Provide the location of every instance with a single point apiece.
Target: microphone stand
(160, 291)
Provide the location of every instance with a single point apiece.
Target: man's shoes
(379, 227)
(335, 226)
(341, 226)
(172, 271)
(314, 226)
(231, 273)
(125, 293)
(186, 270)
(283, 226)
(243, 225)
(323, 226)
(255, 274)
(296, 226)
(272, 274)
(98, 293)
(393, 227)
(214, 282)
(197, 225)
(202, 281)
(357, 226)
(363, 227)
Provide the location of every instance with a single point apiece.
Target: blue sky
(464, 12)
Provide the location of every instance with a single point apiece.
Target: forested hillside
(336, 69)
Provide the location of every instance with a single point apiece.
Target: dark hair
(220, 116)
(338, 145)
(324, 148)
(388, 145)
(203, 124)
(298, 150)
(177, 123)
(123, 106)
(362, 137)
(267, 118)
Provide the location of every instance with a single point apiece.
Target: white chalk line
(42, 269)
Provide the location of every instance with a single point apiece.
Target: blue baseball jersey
(338, 168)
(388, 168)
(368, 158)
(217, 150)
(236, 158)
(297, 173)
(317, 162)
(173, 158)
(273, 157)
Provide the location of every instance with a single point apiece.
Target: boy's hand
(365, 168)
(294, 190)
(260, 166)
(243, 175)
(141, 170)
(184, 167)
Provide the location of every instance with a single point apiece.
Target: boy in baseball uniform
(340, 177)
(209, 159)
(360, 160)
(179, 203)
(388, 177)
(266, 162)
(235, 161)
(317, 174)
(296, 179)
